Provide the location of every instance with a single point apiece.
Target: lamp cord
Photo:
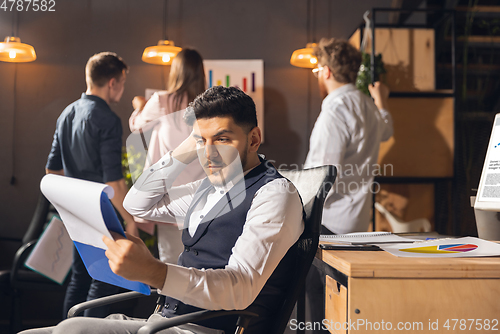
(308, 21)
(14, 19)
(15, 32)
(313, 29)
(165, 5)
(308, 77)
(13, 160)
(330, 18)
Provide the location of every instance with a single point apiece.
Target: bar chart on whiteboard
(248, 75)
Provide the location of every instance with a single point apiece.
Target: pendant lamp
(13, 51)
(161, 54)
(165, 51)
(305, 58)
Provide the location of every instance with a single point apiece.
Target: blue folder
(95, 259)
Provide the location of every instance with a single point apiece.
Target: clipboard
(88, 214)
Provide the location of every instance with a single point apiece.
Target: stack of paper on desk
(365, 238)
(87, 214)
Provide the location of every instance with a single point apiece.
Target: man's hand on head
(186, 151)
(131, 259)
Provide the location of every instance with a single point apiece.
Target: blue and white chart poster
(246, 74)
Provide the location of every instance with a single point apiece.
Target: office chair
(19, 278)
(313, 185)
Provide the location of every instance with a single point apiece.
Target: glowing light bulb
(165, 58)
(313, 60)
(12, 54)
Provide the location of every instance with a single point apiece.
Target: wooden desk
(417, 294)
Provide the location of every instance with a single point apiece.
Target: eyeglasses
(316, 70)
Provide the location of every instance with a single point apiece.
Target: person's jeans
(82, 288)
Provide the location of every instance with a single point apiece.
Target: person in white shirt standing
(347, 134)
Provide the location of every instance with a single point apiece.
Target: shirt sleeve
(274, 223)
(54, 161)
(110, 151)
(388, 129)
(144, 119)
(152, 197)
(329, 138)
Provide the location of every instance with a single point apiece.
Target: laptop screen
(488, 194)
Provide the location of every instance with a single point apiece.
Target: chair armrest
(19, 259)
(153, 327)
(79, 308)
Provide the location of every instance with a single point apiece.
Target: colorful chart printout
(455, 248)
(248, 75)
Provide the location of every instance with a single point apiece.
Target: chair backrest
(313, 185)
(38, 220)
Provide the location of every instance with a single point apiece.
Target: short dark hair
(342, 58)
(103, 67)
(220, 101)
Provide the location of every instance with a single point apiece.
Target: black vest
(211, 246)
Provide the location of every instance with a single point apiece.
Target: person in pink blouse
(163, 113)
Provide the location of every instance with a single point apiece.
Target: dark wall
(32, 95)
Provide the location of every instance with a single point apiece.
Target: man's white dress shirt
(273, 224)
(347, 134)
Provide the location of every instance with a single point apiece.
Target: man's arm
(152, 196)
(54, 161)
(380, 94)
(145, 113)
(273, 224)
(120, 189)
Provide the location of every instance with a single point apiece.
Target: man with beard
(240, 224)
